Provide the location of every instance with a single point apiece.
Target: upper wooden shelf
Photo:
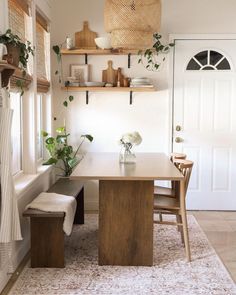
(109, 89)
(99, 51)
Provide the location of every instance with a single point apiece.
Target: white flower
(133, 138)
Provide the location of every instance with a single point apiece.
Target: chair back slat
(185, 167)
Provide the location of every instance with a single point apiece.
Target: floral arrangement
(128, 140)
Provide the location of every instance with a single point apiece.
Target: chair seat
(165, 203)
(164, 191)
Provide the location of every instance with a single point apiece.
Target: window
(42, 54)
(15, 104)
(39, 126)
(208, 60)
(17, 17)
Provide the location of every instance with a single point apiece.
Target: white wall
(108, 115)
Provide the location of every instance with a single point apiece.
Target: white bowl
(94, 84)
(103, 42)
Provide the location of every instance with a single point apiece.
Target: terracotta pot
(13, 56)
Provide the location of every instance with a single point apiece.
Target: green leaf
(56, 49)
(71, 98)
(50, 140)
(73, 162)
(68, 150)
(61, 130)
(67, 84)
(44, 133)
(51, 161)
(88, 136)
(61, 138)
(65, 103)
(139, 61)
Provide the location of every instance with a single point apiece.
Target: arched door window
(208, 60)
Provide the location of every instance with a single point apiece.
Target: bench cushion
(52, 202)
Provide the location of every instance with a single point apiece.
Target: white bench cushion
(52, 202)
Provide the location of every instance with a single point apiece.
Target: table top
(106, 166)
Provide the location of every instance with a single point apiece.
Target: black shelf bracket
(86, 58)
(131, 97)
(87, 96)
(129, 60)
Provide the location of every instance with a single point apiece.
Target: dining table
(126, 194)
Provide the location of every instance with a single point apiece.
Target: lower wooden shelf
(131, 90)
(109, 89)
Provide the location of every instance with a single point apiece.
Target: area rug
(171, 274)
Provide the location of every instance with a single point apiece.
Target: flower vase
(127, 156)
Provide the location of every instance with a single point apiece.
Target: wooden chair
(166, 191)
(174, 205)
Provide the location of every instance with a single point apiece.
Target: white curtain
(9, 223)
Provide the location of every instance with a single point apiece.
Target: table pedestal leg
(126, 222)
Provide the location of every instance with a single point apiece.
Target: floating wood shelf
(87, 52)
(6, 66)
(109, 89)
(7, 70)
(99, 51)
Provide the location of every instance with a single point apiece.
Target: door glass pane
(193, 65)
(202, 57)
(215, 57)
(224, 65)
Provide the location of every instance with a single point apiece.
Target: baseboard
(4, 276)
(91, 206)
(16, 260)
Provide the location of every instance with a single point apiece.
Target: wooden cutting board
(110, 75)
(85, 38)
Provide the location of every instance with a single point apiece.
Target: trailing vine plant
(59, 72)
(149, 57)
(25, 50)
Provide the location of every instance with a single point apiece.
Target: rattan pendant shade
(132, 22)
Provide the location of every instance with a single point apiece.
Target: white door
(204, 119)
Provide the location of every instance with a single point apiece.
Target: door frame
(181, 37)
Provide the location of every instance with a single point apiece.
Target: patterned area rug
(171, 274)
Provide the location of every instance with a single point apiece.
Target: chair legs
(180, 227)
(185, 234)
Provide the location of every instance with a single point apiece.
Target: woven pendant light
(132, 22)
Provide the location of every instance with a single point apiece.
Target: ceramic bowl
(94, 84)
(103, 42)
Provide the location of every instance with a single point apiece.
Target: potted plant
(61, 152)
(18, 52)
(149, 57)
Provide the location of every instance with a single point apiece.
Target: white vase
(127, 156)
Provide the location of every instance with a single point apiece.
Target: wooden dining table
(126, 203)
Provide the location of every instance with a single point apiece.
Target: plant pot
(13, 55)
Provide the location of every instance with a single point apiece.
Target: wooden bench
(47, 235)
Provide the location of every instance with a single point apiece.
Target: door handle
(178, 128)
(179, 139)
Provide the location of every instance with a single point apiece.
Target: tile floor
(220, 229)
